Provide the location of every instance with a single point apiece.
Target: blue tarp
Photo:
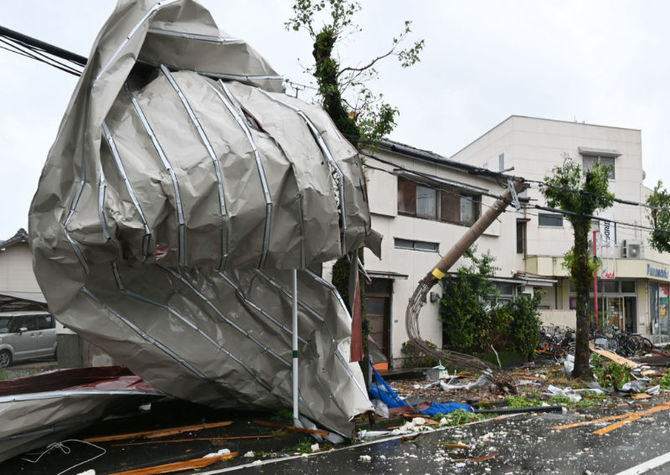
(385, 393)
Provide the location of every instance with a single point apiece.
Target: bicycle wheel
(643, 345)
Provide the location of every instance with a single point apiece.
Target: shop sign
(657, 272)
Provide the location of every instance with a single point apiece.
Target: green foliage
(659, 214)
(665, 381)
(522, 401)
(569, 261)
(461, 416)
(473, 322)
(580, 193)
(414, 357)
(611, 375)
(361, 115)
(465, 317)
(525, 324)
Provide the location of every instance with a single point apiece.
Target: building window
(416, 245)
(501, 162)
(589, 160)
(628, 286)
(550, 219)
(505, 291)
(520, 237)
(426, 202)
(446, 204)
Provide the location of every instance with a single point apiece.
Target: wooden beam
(152, 434)
(179, 466)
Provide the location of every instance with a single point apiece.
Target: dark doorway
(630, 312)
(378, 309)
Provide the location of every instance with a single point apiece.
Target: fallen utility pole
(418, 298)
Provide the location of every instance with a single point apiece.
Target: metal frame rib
(326, 153)
(221, 315)
(212, 155)
(109, 138)
(123, 44)
(145, 336)
(236, 111)
(173, 176)
(132, 294)
(102, 190)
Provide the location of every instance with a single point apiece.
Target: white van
(26, 335)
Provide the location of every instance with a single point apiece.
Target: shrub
(472, 321)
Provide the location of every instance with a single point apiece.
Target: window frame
(549, 215)
(448, 202)
(594, 158)
(415, 245)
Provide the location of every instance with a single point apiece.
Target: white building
(18, 287)
(633, 280)
(422, 203)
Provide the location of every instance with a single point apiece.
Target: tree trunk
(582, 278)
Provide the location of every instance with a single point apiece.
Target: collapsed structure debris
(183, 190)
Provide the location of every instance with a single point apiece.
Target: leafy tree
(659, 214)
(580, 195)
(360, 115)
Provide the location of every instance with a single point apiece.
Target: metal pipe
(296, 419)
(595, 282)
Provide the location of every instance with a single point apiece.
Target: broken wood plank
(616, 425)
(210, 439)
(637, 415)
(616, 358)
(641, 396)
(179, 466)
(453, 445)
(151, 434)
(593, 421)
(293, 428)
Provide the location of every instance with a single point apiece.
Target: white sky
(603, 62)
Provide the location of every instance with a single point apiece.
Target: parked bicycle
(555, 342)
(623, 343)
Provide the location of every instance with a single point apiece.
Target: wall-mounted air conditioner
(631, 249)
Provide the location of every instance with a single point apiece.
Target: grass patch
(522, 401)
(461, 416)
(665, 381)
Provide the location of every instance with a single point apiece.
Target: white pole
(296, 420)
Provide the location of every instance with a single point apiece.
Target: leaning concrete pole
(418, 299)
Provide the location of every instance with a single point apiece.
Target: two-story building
(422, 203)
(633, 279)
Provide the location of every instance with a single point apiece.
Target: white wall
(499, 240)
(16, 270)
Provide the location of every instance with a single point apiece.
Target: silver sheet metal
(174, 205)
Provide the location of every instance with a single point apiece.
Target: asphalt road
(524, 444)
(521, 444)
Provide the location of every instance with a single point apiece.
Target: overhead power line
(71, 63)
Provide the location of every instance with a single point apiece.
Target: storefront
(658, 312)
(617, 304)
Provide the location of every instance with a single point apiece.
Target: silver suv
(26, 335)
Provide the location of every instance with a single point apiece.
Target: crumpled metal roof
(183, 187)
